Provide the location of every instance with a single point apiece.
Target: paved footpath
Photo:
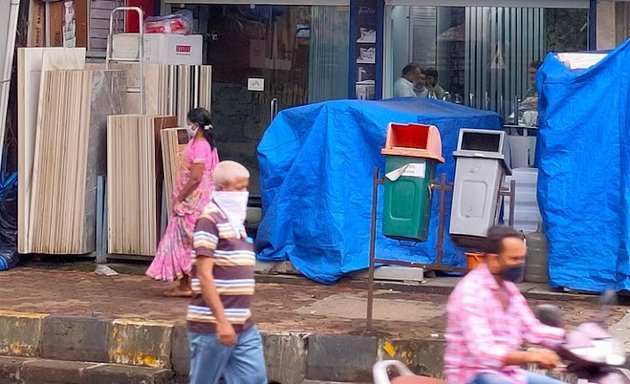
(312, 332)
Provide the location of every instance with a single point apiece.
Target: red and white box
(160, 48)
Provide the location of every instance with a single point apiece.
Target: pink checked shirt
(480, 333)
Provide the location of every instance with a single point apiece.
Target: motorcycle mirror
(549, 315)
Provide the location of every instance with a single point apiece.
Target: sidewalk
(312, 332)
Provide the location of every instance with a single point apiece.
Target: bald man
(224, 342)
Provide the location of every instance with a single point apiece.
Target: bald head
(230, 176)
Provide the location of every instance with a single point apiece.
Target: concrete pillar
(612, 24)
(606, 25)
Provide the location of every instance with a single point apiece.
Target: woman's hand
(174, 205)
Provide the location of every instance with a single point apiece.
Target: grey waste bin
(479, 172)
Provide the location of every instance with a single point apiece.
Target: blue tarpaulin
(316, 165)
(584, 171)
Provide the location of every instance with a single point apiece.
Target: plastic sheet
(583, 156)
(8, 222)
(316, 165)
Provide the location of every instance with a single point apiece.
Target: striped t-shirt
(233, 272)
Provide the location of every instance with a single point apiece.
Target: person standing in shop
(223, 339)
(191, 194)
(432, 83)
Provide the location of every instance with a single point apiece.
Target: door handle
(273, 108)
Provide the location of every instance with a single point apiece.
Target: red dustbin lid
(413, 140)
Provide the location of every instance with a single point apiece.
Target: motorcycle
(591, 353)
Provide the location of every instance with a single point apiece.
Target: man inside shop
(405, 86)
(529, 105)
(530, 98)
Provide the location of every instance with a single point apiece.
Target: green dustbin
(411, 154)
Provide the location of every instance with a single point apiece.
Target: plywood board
(69, 158)
(169, 89)
(133, 199)
(30, 63)
(174, 142)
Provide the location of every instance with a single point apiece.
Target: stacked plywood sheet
(171, 90)
(134, 183)
(173, 144)
(69, 155)
(32, 65)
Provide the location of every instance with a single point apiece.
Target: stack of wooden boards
(72, 128)
(134, 185)
(62, 120)
(171, 90)
(134, 203)
(174, 142)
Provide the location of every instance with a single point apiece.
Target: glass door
(482, 56)
(266, 58)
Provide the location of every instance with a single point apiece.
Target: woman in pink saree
(191, 194)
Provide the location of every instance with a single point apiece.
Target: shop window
(481, 54)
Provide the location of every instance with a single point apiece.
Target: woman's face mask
(192, 130)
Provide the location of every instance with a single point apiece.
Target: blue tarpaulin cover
(316, 165)
(584, 171)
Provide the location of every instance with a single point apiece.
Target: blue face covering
(515, 273)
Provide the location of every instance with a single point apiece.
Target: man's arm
(536, 332)
(545, 358)
(478, 334)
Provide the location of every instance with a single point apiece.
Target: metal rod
(440, 238)
(101, 257)
(370, 299)
(512, 201)
(433, 266)
(511, 193)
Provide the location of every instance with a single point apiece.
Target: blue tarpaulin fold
(316, 164)
(584, 171)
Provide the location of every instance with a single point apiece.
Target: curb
(427, 288)
(14, 370)
(163, 347)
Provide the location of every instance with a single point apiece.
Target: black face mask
(515, 273)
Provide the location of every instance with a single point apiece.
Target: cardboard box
(160, 48)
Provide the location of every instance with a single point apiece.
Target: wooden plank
(70, 157)
(55, 18)
(36, 18)
(30, 62)
(170, 89)
(81, 15)
(174, 142)
(133, 200)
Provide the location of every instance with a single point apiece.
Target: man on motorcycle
(488, 320)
